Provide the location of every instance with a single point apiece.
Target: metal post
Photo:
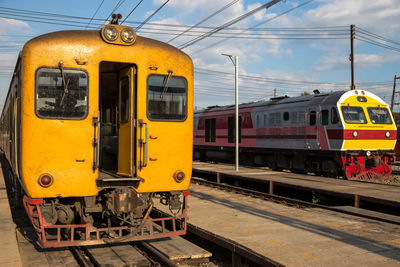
(236, 113)
(236, 63)
(352, 35)
(394, 92)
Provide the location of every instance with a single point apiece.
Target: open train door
(126, 118)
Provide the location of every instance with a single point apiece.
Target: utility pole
(352, 36)
(236, 64)
(274, 92)
(394, 92)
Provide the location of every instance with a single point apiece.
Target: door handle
(143, 144)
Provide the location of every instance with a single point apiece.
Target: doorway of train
(117, 117)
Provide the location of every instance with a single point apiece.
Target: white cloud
(11, 25)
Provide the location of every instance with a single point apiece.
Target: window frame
(366, 120)
(147, 98)
(391, 121)
(324, 115)
(62, 118)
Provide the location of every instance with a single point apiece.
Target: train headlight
(368, 153)
(110, 33)
(355, 134)
(45, 180)
(387, 134)
(128, 35)
(179, 176)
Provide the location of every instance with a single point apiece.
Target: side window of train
(166, 98)
(258, 121)
(286, 116)
(231, 129)
(313, 117)
(61, 98)
(325, 117)
(265, 120)
(210, 128)
(334, 116)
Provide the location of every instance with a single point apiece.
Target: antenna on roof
(316, 92)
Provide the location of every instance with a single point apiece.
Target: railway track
(300, 203)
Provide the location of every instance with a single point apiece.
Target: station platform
(359, 191)
(294, 236)
(9, 252)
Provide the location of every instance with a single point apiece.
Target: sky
(293, 47)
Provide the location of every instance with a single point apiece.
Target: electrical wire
(149, 17)
(205, 19)
(229, 23)
(132, 11)
(94, 14)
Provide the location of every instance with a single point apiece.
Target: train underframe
(351, 165)
(115, 215)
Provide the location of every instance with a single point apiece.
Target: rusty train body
(348, 134)
(97, 127)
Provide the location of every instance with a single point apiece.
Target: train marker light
(355, 134)
(128, 35)
(110, 33)
(179, 176)
(387, 134)
(45, 180)
(368, 153)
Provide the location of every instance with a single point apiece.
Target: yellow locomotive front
(106, 130)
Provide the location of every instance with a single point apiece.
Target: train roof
(93, 38)
(329, 98)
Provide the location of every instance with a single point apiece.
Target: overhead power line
(133, 9)
(205, 19)
(94, 14)
(149, 17)
(229, 23)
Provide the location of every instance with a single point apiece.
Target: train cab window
(166, 98)
(334, 116)
(313, 117)
(286, 116)
(379, 115)
(353, 114)
(61, 98)
(325, 117)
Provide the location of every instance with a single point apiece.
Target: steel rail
(292, 201)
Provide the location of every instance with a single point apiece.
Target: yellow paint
(229, 225)
(64, 148)
(367, 144)
(250, 233)
(395, 241)
(305, 254)
(247, 203)
(305, 218)
(233, 198)
(276, 243)
(332, 224)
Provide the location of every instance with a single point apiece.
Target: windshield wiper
(60, 65)
(166, 84)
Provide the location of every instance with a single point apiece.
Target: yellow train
(96, 126)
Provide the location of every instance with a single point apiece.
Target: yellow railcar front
(106, 126)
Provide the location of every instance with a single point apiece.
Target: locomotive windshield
(54, 99)
(167, 98)
(379, 115)
(353, 114)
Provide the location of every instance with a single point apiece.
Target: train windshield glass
(166, 98)
(379, 115)
(58, 99)
(353, 114)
